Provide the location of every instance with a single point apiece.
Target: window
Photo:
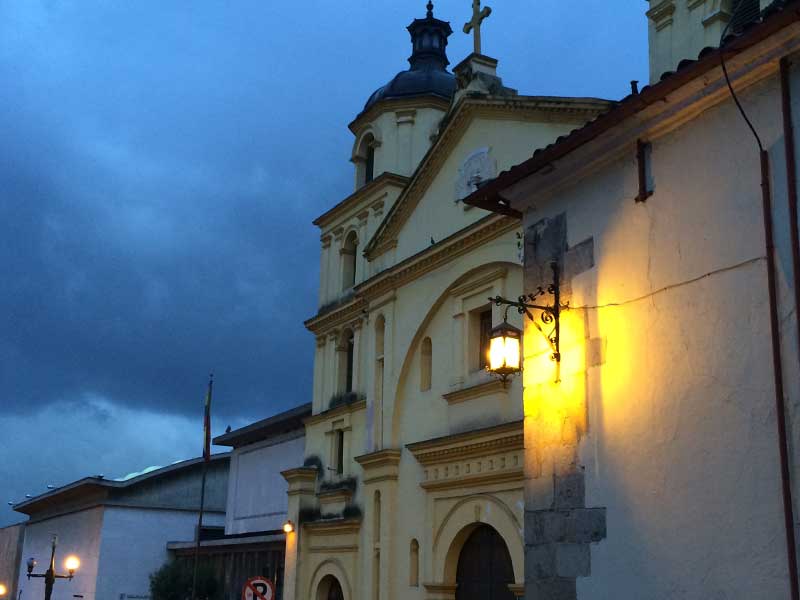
(376, 524)
(348, 379)
(348, 253)
(413, 564)
(377, 410)
(339, 466)
(426, 364)
(369, 165)
(485, 332)
(376, 540)
(364, 159)
(644, 163)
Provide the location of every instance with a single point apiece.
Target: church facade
(412, 483)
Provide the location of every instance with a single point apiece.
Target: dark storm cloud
(155, 220)
(160, 164)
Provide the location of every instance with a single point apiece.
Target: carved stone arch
(461, 521)
(330, 567)
(420, 335)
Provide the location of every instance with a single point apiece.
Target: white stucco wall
(405, 136)
(11, 539)
(78, 533)
(257, 491)
(681, 443)
(134, 545)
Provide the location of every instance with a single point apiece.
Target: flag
(207, 422)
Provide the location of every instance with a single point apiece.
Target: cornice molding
(480, 390)
(394, 104)
(329, 549)
(501, 438)
(370, 193)
(515, 475)
(661, 14)
(460, 243)
(337, 495)
(333, 413)
(334, 526)
(383, 465)
(381, 458)
(300, 474)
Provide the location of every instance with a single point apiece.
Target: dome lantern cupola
(428, 75)
(429, 40)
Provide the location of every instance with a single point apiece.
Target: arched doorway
(330, 589)
(484, 567)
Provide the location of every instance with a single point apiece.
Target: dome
(422, 82)
(428, 75)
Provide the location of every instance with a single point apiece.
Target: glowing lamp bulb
(72, 563)
(3, 590)
(504, 350)
(288, 527)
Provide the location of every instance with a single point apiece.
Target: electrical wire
(735, 14)
(671, 286)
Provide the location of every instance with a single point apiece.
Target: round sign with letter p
(258, 588)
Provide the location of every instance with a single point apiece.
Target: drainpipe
(777, 371)
(777, 359)
(791, 184)
(791, 198)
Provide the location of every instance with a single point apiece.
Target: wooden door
(484, 567)
(335, 591)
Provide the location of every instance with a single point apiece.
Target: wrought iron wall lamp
(505, 345)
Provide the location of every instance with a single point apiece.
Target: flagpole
(206, 458)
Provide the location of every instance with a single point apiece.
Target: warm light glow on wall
(554, 392)
(3, 590)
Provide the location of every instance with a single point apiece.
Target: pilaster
(301, 495)
(381, 472)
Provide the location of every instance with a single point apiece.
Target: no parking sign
(258, 588)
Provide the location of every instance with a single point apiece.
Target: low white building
(253, 543)
(10, 548)
(118, 528)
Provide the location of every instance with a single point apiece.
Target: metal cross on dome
(478, 15)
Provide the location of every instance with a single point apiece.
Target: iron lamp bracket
(545, 317)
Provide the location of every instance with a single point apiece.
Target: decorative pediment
(522, 108)
(480, 457)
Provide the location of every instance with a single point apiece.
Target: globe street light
(71, 564)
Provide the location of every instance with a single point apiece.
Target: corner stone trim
(557, 541)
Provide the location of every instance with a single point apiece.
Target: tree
(173, 581)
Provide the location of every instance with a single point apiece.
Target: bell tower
(680, 29)
(394, 129)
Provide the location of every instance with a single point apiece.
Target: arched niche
(349, 254)
(363, 155)
(323, 577)
(421, 332)
(459, 524)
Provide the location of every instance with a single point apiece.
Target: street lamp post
(71, 563)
